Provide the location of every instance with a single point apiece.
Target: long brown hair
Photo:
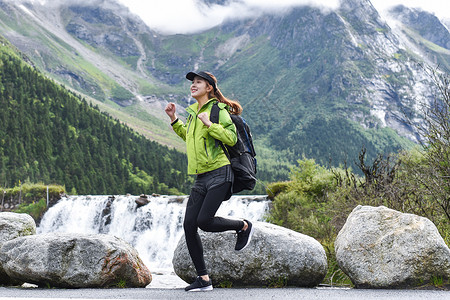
(234, 106)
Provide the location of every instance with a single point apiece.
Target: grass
(225, 284)
(437, 281)
(122, 283)
(279, 282)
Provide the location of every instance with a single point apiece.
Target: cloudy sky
(186, 16)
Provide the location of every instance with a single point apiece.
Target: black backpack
(241, 155)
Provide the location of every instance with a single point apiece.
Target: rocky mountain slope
(312, 82)
(425, 24)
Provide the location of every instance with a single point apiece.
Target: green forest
(51, 135)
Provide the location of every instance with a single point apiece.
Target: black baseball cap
(191, 75)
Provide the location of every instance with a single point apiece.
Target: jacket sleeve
(180, 129)
(225, 131)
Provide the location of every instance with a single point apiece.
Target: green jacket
(202, 153)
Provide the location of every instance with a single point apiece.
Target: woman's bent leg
(206, 218)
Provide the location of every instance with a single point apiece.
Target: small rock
(142, 200)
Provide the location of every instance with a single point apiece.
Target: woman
(212, 167)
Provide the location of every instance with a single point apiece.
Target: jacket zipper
(190, 122)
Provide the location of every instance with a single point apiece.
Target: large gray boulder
(275, 256)
(382, 248)
(74, 261)
(13, 225)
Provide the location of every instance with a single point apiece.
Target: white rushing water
(153, 230)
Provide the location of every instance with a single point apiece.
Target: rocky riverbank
(378, 248)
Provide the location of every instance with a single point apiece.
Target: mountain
(51, 135)
(425, 24)
(313, 82)
(428, 35)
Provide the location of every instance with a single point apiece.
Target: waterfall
(153, 229)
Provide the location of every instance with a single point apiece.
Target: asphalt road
(8, 293)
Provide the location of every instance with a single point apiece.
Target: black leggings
(200, 213)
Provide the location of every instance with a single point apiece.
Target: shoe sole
(249, 239)
(202, 289)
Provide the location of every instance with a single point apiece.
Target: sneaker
(244, 237)
(199, 285)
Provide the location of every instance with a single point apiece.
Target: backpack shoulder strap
(214, 118)
(214, 115)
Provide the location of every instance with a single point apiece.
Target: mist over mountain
(427, 25)
(313, 82)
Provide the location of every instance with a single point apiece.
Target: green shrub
(335, 276)
(277, 188)
(35, 210)
(302, 205)
(32, 192)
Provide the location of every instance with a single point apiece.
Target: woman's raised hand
(170, 111)
(205, 118)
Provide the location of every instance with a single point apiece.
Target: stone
(275, 256)
(142, 200)
(70, 260)
(13, 225)
(382, 248)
